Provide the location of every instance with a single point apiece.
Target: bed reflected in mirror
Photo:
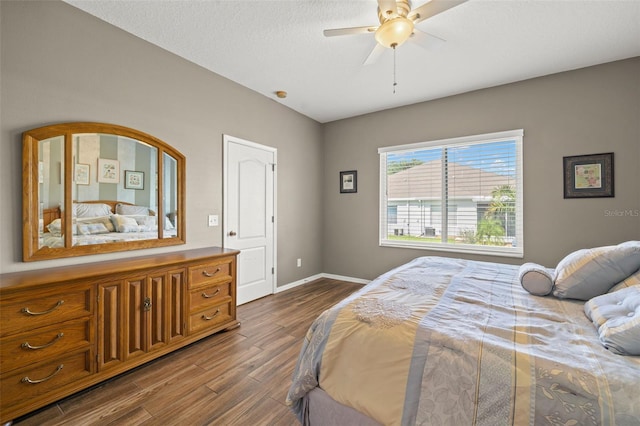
(95, 188)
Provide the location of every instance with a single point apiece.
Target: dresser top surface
(19, 280)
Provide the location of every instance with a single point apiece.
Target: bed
(442, 341)
(104, 221)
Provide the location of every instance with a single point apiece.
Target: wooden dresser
(65, 329)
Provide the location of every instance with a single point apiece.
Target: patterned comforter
(442, 341)
(49, 240)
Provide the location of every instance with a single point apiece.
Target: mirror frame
(30, 183)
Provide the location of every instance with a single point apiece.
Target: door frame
(226, 139)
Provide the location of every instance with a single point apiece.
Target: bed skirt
(321, 409)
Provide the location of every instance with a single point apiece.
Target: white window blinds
(462, 194)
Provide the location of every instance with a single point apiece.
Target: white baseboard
(318, 276)
(343, 278)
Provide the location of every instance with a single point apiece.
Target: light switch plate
(213, 220)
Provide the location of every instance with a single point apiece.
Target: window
(462, 195)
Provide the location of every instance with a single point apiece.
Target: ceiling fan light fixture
(394, 32)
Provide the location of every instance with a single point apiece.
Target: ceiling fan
(397, 25)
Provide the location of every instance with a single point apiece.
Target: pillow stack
(608, 278)
(586, 273)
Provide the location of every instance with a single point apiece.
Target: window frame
(516, 251)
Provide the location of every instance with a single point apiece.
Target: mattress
(442, 341)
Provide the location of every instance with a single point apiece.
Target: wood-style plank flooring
(238, 377)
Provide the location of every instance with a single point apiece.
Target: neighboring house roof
(424, 182)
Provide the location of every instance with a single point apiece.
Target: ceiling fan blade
(426, 40)
(432, 8)
(386, 6)
(349, 31)
(375, 54)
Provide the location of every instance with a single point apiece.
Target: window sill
(515, 252)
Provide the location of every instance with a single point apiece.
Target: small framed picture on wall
(133, 179)
(588, 176)
(81, 174)
(349, 181)
(108, 171)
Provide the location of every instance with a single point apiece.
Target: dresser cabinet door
(136, 306)
(176, 304)
(163, 309)
(139, 315)
(156, 312)
(110, 325)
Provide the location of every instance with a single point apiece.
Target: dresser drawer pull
(26, 345)
(209, 274)
(209, 296)
(26, 379)
(206, 318)
(28, 312)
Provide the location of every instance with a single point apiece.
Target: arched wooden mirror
(93, 188)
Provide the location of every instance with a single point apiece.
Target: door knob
(232, 233)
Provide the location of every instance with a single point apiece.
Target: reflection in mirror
(50, 187)
(95, 188)
(170, 185)
(122, 168)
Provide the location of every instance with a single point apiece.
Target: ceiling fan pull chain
(395, 83)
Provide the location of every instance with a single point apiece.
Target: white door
(249, 214)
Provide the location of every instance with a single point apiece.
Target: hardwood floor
(238, 377)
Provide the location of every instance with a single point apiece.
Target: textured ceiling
(279, 45)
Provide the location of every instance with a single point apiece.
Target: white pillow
(146, 223)
(92, 228)
(616, 316)
(104, 220)
(536, 279)
(124, 223)
(167, 224)
(55, 228)
(90, 210)
(130, 210)
(587, 273)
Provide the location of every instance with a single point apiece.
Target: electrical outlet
(213, 220)
(299, 263)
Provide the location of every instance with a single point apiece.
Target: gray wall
(60, 64)
(587, 111)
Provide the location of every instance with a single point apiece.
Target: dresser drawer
(210, 317)
(30, 383)
(45, 343)
(210, 273)
(208, 296)
(37, 310)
